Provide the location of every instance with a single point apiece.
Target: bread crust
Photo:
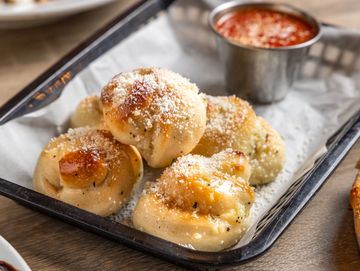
(88, 113)
(232, 123)
(199, 202)
(355, 202)
(88, 168)
(158, 111)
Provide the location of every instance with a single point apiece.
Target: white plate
(26, 15)
(11, 256)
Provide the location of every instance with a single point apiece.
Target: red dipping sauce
(264, 28)
(6, 266)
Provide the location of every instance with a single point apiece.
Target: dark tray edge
(129, 236)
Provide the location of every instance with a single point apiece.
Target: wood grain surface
(320, 238)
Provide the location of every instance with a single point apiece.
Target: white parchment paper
(315, 108)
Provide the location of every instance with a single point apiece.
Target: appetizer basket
(329, 55)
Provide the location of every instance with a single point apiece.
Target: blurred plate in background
(27, 15)
(9, 255)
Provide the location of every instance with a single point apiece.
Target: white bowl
(26, 15)
(11, 256)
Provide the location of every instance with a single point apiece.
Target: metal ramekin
(263, 75)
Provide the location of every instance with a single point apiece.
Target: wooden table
(321, 238)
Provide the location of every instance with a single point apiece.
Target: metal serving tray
(48, 86)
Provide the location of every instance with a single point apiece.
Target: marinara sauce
(6, 266)
(264, 28)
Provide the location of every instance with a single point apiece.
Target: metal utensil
(264, 75)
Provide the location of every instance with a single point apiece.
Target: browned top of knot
(83, 168)
(108, 92)
(140, 96)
